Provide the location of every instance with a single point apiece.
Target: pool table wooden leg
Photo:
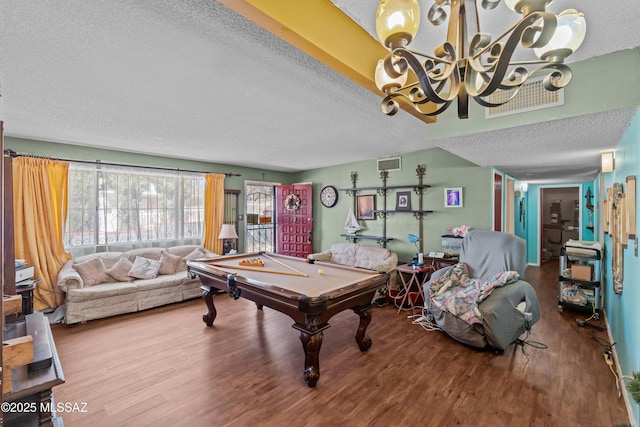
(207, 296)
(311, 345)
(364, 342)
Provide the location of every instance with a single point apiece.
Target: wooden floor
(164, 367)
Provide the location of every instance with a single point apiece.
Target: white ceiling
(191, 79)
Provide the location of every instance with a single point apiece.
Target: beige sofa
(99, 285)
(361, 256)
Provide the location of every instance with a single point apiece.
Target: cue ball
(320, 271)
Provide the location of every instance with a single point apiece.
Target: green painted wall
(443, 170)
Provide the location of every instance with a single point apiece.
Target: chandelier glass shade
(470, 63)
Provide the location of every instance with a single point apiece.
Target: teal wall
(623, 311)
(588, 234)
(443, 170)
(520, 221)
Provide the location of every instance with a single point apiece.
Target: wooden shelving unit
(383, 191)
(355, 237)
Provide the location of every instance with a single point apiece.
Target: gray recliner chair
(508, 311)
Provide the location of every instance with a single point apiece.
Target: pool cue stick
(261, 270)
(283, 264)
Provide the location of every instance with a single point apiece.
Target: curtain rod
(12, 153)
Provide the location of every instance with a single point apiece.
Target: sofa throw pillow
(168, 263)
(144, 268)
(120, 270)
(92, 272)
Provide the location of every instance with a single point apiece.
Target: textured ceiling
(192, 79)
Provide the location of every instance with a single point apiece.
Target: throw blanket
(457, 293)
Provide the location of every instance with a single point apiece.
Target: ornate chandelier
(476, 66)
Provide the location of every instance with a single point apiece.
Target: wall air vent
(393, 164)
(532, 96)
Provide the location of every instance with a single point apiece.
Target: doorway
(294, 213)
(259, 213)
(560, 219)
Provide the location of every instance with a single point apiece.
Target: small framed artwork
(453, 197)
(366, 205)
(403, 201)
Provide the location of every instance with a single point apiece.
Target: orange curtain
(40, 212)
(213, 211)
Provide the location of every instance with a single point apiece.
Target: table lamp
(228, 235)
(418, 260)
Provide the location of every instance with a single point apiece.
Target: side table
(439, 263)
(413, 276)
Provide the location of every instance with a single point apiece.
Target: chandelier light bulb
(385, 82)
(397, 22)
(569, 35)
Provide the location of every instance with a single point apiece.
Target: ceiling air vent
(393, 164)
(532, 96)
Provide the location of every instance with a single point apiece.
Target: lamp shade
(385, 82)
(397, 22)
(228, 231)
(569, 35)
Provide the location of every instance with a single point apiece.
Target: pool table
(309, 292)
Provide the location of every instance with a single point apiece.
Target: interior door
(510, 208)
(294, 220)
(497, 202)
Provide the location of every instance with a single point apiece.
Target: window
(118, 208)
(260, 224)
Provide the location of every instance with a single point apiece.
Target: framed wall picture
(453, 197)
(403, 201)
(366, 205)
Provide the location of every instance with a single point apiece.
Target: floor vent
(393, 164)
(532, 96)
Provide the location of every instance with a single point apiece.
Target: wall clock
(329, 196)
